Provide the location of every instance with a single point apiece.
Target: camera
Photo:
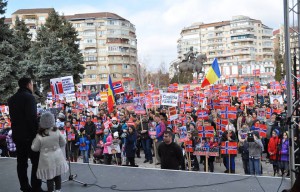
(250, 137)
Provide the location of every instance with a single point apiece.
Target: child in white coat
(49, 142)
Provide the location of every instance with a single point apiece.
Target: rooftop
(33, 11)
(94, 15)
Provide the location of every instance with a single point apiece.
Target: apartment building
(107, 41)
(243, 47)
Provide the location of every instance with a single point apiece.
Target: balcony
(89, 45)
(30, 21)
(242, 40)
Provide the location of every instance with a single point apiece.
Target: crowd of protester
(90, 136)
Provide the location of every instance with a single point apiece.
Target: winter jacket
(284, 152)
(130, 145)
(272, 148)
(160, 129)
(108, 142)
(255, 149)
(90, 129)
(23, 114)
(83, 143)
(52, 161)
(11, 146)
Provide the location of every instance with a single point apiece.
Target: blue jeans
(147, 148)
(232, 162)
(85, 156)
(254, 166)
(92, 144)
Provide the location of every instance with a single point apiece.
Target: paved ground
(219, 167)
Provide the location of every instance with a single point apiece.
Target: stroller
(98, 154)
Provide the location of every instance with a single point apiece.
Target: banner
(206, 151)
(63, 86)
(169, 99)
(173, 113)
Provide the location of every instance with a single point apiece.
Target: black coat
(90, 129)
(130, 145)
(23, 114)
(171, 156)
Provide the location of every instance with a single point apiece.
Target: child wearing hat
(52, 162)
(84, 145)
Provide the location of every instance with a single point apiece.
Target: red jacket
(272, 148)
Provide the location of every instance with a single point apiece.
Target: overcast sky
(159, 22)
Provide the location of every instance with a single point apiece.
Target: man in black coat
(170, 153)
(24, 124)
(90, 131)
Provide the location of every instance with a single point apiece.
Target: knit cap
(47, 120)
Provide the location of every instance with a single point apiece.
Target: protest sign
(169, 99)
(207, 151)
(113, 149)
(173, 113)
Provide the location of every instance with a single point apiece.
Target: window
(91, 58)
(102, 58)
(77, 25)
(89, 24)
(102, 32)
(89, 40)
(93, 76)
(102, 42)
(114, 75)
(42, 18)
(102, 50)
(126, 66)
(102, 67)
(91, 67)
(126, 75)
(103, 75)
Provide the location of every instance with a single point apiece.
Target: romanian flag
(110, 96)
(212, 75)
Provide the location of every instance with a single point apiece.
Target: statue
(192, 62)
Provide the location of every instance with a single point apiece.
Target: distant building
(243, 47)
(107, 41)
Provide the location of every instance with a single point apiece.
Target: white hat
(47, 120)
(114, 119)
(116, 134)
(61, 116)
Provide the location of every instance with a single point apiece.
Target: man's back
(23, 113)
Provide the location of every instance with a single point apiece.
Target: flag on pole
(212, 75)
(110, 95)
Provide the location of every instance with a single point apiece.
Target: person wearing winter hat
(273, 150)
(107, 141)
(117, 142)
(83, 143)
(49, 142)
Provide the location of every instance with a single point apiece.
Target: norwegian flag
(269, 112)
(189, 146)
(107, 124)
(186, 87)
(202, 114)
(224, 112)
(216, 104)
(208, 93)
(261, 128)
(275, 85)
(244, 95)
(232, 112)
(205, 131)
(187, 108)
(262, 92)
(221, 124)
(229, 148)
(224, 101)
